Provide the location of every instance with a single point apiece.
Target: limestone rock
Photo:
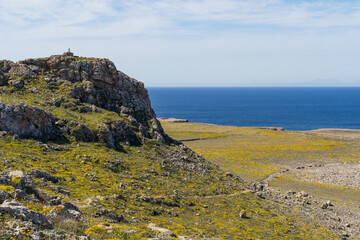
(112, 133)
(3, 196)
(17, 83)
(27, 121)
(102, 86)
(20, 70)
(19, 194)
(3, 79)
(44, 175)
(83, 133)
(5, 65)
(66, 210)
(242, 214)
(18, 210)
(162, 232)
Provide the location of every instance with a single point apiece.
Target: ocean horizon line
(253, 87)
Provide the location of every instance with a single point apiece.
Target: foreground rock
(18, 210)
(162, 232)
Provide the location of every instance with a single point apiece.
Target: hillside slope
(83, 156)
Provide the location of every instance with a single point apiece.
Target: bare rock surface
(162, 232)
(17, 209)
(163, 119)
(95, 83)
(27, 121)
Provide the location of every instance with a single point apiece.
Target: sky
(195, 43)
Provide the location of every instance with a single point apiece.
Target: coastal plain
(321, 163)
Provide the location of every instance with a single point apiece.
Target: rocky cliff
(75, 85)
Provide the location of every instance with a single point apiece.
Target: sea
(295, 108)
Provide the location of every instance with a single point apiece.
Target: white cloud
(82, 18)
(193, 42)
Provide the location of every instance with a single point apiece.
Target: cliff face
(82, 85)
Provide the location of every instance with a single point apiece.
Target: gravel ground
(342, 174)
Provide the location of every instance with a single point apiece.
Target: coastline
(325, 132)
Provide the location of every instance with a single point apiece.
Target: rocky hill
(86, 85)
(83, 156)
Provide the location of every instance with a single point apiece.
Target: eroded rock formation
(91, 81)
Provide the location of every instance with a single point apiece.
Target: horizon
(196, 43)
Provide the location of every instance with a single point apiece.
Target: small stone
(18, 83)
(242, 214)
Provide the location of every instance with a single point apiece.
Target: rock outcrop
(93, 84)
(27, 121)
(18, 210)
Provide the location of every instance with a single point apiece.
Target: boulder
(3, 79)
(17, 83)
(162, 232)
(66, 211)
(242, 214)
(83, 133)
(20, 70)
(44, 175)
(3, 196)
(112, 133)
(19, 194)
(27, 121)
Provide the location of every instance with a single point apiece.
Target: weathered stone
(113, 133)
(162, 232)
(27, 121)
(16, 174)
(3, 196)
(3, 79)
(20, 70)
(17, 83)
(103, 86)
(18, 210)
(324, 206)
(83, 133)
(5, 65)
(66, 210)
(44, 175)
(242, 214)
(19, 194)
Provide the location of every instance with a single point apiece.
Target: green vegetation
(254, 153)
(151, 183)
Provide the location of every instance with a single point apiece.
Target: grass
(143, 172)
(255, 153)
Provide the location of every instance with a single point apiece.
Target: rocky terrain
(86, 86)
(82, 156)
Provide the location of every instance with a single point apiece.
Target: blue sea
(291, 108)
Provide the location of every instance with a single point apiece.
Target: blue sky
(195, 42)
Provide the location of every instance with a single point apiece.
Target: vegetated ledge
(51, 98)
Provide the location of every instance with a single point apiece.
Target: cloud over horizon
(194, 42)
